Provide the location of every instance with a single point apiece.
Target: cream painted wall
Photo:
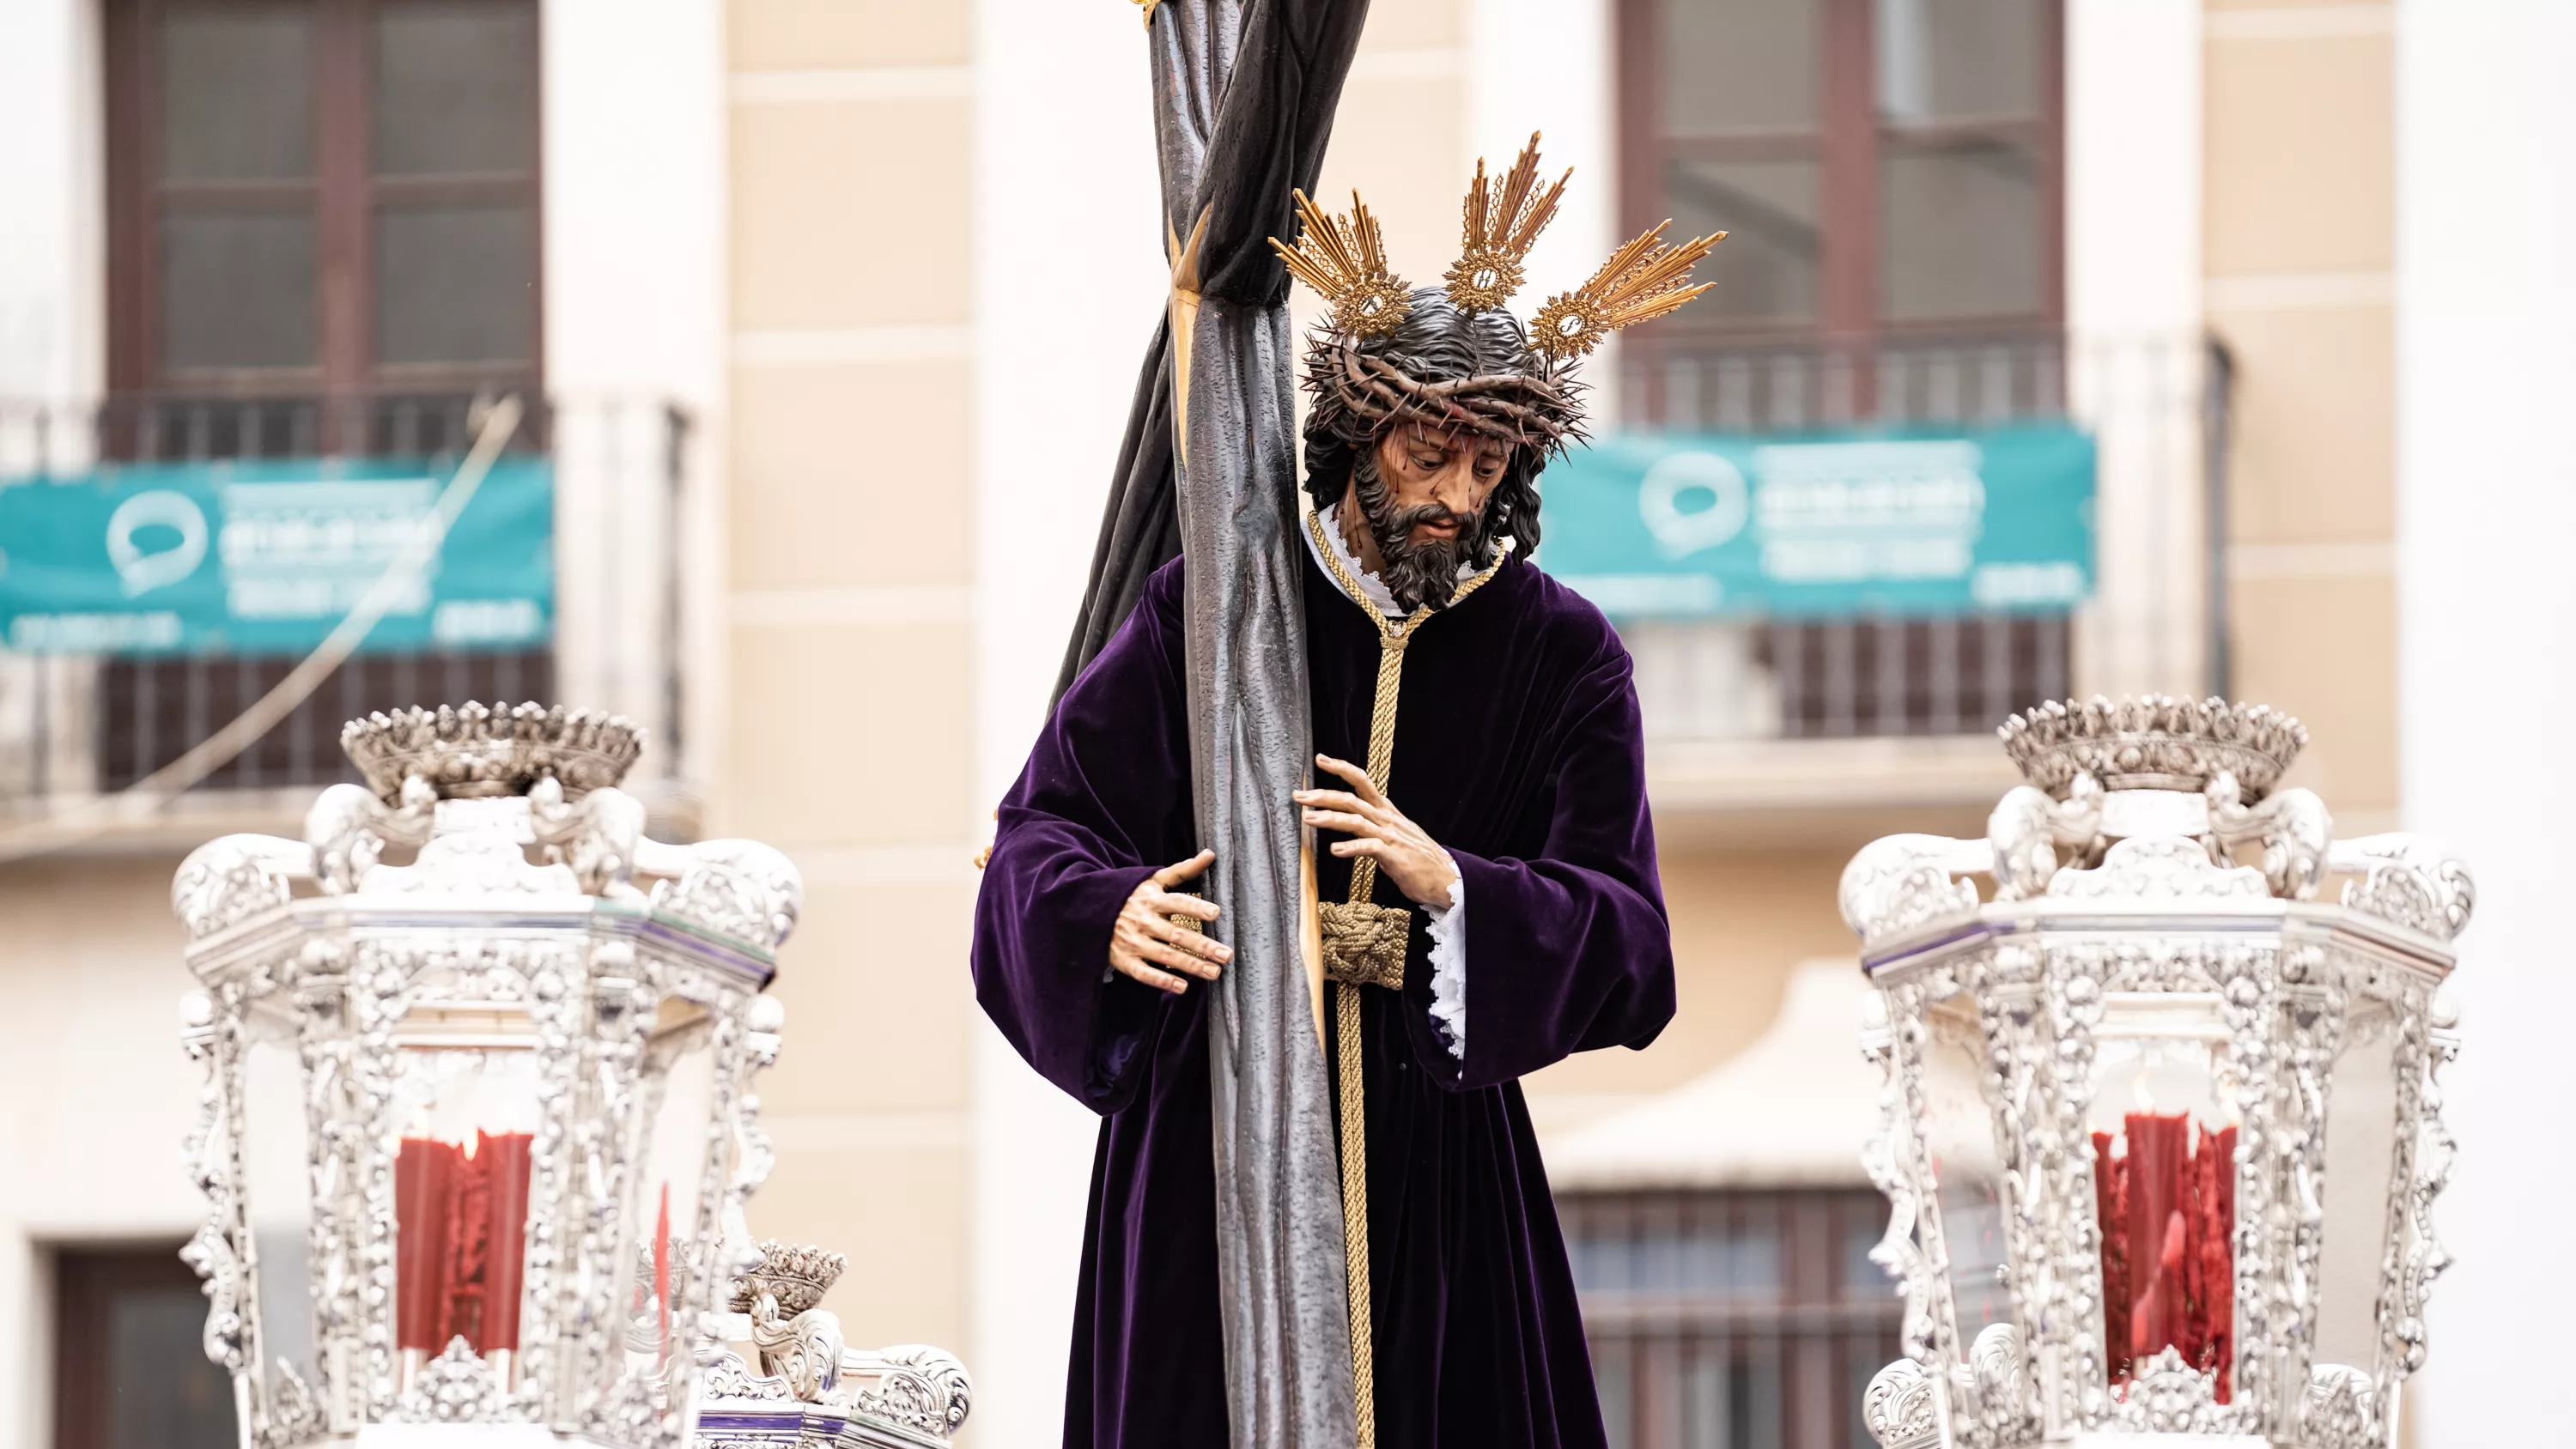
(101, 1094)
(2134, 324)
(2298, 235)
(2485, 609)
(847, 622)
(634, 101)
(52, 231)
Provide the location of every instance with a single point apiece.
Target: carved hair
(1444, 368)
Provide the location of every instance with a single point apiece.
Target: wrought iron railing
(1732, 1320)
(75, 726)
(2157, 409)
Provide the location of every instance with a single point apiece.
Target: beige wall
(847, 731)
(2298, 244)
(100, 1093)
(1410, 81)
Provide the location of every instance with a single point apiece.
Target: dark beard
(1416, 573)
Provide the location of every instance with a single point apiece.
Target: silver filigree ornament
(1900, 1409)
(809, 1387)
(2125, 928)
(538, 944)
(457, 1387)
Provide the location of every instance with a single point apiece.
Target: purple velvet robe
(1517, 748)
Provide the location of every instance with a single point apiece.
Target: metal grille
(1735, 1319)
(152, 710)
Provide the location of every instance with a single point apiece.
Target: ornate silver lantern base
(809, 1391)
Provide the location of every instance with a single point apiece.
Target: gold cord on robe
(1364, 946)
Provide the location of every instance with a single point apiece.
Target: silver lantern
(2160, 1125)
(477, 1131)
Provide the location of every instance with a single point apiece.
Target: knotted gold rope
(1364, 946)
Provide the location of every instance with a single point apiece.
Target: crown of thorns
(1344, 261)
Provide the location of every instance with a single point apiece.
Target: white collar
(1373, 590)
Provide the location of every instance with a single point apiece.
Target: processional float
(478, 1125)
(2161, 1126)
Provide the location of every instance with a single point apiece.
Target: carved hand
(1410, 859)
(1145, 937)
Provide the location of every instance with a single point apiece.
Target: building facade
(836, 305)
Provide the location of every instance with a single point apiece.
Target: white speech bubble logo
(142, 572)
(1678, 534)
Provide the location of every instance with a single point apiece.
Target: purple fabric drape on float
(1244, 95)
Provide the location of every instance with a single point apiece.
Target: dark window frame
(1849, 140)
(88, 1277)
(345, 197)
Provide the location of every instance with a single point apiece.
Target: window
(1879, 165)
(1889, 176)
(322, 239)
(333, 197)
(130, 1366)
(1733, 1320)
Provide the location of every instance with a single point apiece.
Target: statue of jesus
(1489, 900)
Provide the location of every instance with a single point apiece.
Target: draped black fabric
(1244, 95)
(1140, 530)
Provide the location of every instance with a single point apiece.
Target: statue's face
(1438, 479)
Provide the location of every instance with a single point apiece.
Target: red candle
(2218, 1254)
(506, 1238)
(2158, 1154)
(468, 1231)
(662, 1271)
(2166, 1210)
(2111, 1212)
(423, 1171)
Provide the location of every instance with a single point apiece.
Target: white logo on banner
(1659, 503)
(140, 571)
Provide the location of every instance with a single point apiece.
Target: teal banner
(1916, 523)
(266, 557)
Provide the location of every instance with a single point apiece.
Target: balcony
(1860, 722)
(78, 725)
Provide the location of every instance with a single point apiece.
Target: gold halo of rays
(1344, 262)
(1503, 218)
(1642, 281)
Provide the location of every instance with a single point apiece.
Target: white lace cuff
(1449, 966)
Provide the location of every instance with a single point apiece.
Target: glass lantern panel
(278, 1182)
(2164, 1129)
(2361, 1157)
(678, 1102)
(466, 1094)
(1959, 1128)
